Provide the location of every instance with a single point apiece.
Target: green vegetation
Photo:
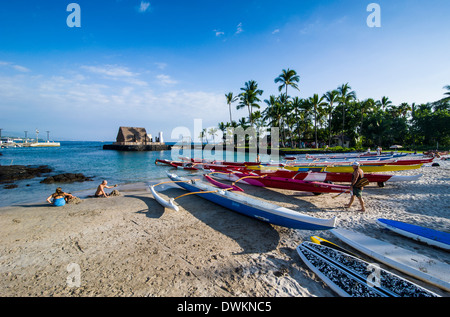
(338, 118)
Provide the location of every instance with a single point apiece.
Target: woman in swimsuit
(59, 197)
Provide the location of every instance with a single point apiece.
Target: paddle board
(419, 266)
(349, 276)
(429, 236)
(322, 241)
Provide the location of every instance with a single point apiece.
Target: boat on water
(246, 205)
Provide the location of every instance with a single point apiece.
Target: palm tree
(202, 135)
(297, 104)
(205, 135)
(213, 131)
(345, 96)
(384, 102)
(403, 108)
(243, 123)
(317, 103)
(274, 111)
(223, 127)
(365, 106)
(447, 94)
(331, 97)
(287, 78)
(257, 118)
(230, 100)
(249, 98)
(270, 112)
(285, 108)
(305, 112)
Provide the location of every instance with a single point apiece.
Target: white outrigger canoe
(245, 205)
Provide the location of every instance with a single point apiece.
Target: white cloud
(218, 33)
(161, 65)
(109, 70)
(276, 31)
(114, 72)
(16, 67)
(310, 27)
(92, 107)
(145, 6)
(239, 28)
(166, 80)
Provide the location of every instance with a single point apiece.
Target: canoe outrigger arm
(171, 203)
(240, 179)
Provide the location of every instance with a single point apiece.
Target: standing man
(101, 189)
(356, 191)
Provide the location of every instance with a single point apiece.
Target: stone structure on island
(137, 139)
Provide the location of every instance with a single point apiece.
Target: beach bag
(115, 192)
(361, 183)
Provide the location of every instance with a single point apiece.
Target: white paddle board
(419, 266)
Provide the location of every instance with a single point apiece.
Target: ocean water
(90, 159)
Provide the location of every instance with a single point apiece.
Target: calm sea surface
(88, 158)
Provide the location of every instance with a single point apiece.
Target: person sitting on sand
(60, 198)
(101, 189)
(356, 191)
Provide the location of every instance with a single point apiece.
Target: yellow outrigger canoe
(338, 168)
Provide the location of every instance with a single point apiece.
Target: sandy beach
(130, 246)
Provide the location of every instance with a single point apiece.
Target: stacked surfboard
(348, 275)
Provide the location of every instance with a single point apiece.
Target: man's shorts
(357, 192)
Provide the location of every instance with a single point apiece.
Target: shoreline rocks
(9, 174)
(66, 178)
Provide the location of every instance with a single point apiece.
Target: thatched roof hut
(132, 135)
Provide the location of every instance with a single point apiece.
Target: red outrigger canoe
(284, 183)
(325, 176)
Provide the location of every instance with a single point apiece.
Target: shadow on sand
(252, 235)
(154, 210)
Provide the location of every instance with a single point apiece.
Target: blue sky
(160, 64)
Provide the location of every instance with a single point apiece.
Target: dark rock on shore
(10, 186)
(9, 174)
(66, 178)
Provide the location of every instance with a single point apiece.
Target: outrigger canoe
(288, 183)
(246, 205)
(329, 176)
(180, 165)
(339, 168)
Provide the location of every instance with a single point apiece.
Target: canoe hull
(294, 184)
(266, 212)
(334, 177)
(365, 168)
